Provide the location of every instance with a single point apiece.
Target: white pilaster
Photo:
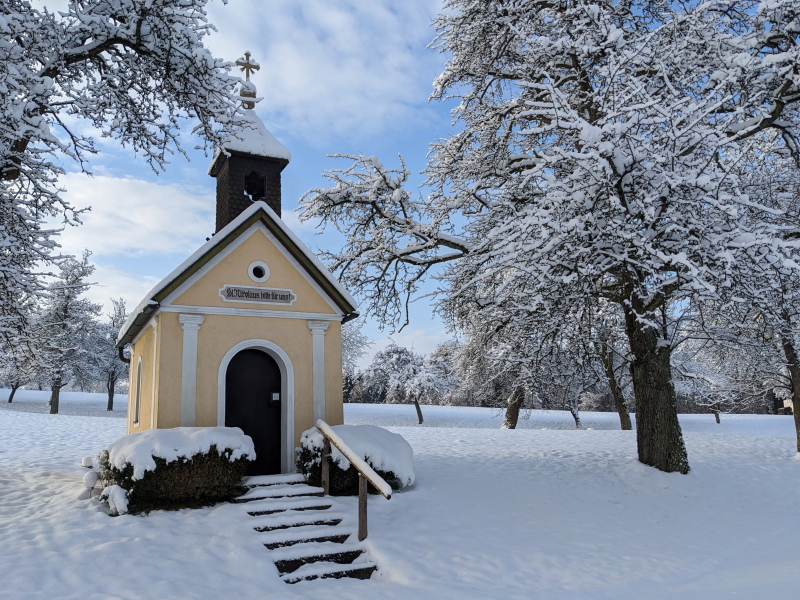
(154, 325)
(318, 329)
(191, 327)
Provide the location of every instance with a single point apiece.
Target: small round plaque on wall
(258, 271)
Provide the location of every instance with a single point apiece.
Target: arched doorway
(253, 403)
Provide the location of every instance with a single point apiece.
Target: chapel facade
(247, 331)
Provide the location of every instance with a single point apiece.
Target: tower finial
(247, 65)
(247, 91)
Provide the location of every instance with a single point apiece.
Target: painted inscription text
(236, 293)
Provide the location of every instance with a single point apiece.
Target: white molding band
(287, 394)
(191, 328)
(318, 329)
(249, 312)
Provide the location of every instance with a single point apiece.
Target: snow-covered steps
(304, 533)
(269, 506)
(305, 537)
(265, 480)
(330, 570)
(279, 491)
(291, 558)
(288, 521)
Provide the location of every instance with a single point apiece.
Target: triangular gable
(257, 212)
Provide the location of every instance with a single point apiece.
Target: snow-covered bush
(388, 453)
(185, 467)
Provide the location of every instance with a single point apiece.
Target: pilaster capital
(318, 327)
(190, 322)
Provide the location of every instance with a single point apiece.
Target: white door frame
(287, 394)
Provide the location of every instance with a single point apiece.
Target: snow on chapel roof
(258, 211)
(254, 139)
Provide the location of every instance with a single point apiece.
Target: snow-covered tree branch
(132, 70)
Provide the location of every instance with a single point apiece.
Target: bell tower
(249, 164)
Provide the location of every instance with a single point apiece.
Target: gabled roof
(257, 212)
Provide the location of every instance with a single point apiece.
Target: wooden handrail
(365, 474)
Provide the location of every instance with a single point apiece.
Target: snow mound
(90, 480)
(138, 449)
(117, 499)
(382, 449)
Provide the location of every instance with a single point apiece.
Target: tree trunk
(512, 410)
(790, 353)
(658, 431)
(55, 392)
(716, 415)
(14, 389)
(575, 415)
(419, 410)
(110, 385)
(607, 358)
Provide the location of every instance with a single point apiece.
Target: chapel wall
(141, 350)
(334, 409)
(170, 356)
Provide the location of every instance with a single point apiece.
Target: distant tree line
(67, 342)
(581, 372)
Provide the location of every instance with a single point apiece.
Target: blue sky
(336, 76)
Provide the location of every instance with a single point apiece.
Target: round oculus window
(258, 271)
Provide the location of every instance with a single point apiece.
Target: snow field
(553, 514)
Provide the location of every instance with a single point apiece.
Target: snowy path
(554, 514)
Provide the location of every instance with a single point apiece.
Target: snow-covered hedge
(183, 467)
(388, 453)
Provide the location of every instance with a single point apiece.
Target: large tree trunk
(110, 385)
(14, 389)
(55, 392)
(658, 432)
(607, 358)
(790, 353)
(512, 410)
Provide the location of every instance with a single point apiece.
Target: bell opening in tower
(255, 186)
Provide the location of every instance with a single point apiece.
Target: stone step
(279, 491)
(266, 480)
(330, 570)
(291, 558)
(304, 534)
(290, 520)
(271, 506)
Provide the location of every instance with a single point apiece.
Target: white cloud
(133, 217)
(113, 283)
(343, 68)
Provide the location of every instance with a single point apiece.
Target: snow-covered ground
(543, 511)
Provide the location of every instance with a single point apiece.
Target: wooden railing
(365, 474)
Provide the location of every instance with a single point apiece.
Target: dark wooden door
(252, 403)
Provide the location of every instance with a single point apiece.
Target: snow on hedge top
(138, 449)
(254, 138)
(382, 449)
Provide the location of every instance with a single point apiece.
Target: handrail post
(362, 508)
(326, 468)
